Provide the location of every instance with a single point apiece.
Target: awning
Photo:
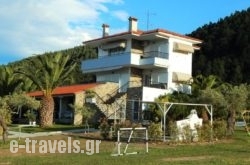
(183, 48)
(181, 77)
(114, 45)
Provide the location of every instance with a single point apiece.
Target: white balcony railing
(155, 59)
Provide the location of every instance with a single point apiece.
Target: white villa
(138, 65)
(131, 68)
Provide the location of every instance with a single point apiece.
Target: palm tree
(201, 83)
(8, 80)
(47, 72)
(205, 85)
(27, 85)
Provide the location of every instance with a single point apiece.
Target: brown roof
(141, 33)
(172, 33)
(64, 90)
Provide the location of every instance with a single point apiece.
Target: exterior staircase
(112, 105)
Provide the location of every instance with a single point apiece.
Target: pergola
(166, 106)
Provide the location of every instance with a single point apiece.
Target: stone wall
(135, 78)
(123, 103)
(106, 88)
(105, 91)
(79, 100)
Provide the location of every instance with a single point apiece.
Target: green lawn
(235, 150)
(56, 127)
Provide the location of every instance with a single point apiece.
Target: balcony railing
(156, 85)
(132, 84)
(149, 54)
(148, 59)
(152, 54)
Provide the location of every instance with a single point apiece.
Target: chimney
(105, 30)
(132, 24)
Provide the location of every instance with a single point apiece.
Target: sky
(31, 27)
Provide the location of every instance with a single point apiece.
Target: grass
(56, 127)
(234, 150)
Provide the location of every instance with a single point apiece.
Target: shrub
(204, 132)
(155, 131)
(5, 111)
(105, 128)
(219, 129)
(173, 130)
(30, 115)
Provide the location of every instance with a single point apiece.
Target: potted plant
(31, 116)
(90, 96)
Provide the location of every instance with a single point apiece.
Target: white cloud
(31, 27)
(121, 14)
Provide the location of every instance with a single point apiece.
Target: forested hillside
(77, 54)
(225, 50)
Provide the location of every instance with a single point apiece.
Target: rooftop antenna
(148, 16)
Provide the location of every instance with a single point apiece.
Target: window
(118, 50)
(136, 110)
(147, 80)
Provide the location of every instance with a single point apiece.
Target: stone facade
(114, 109)
(79, 100)
(120, 108)
(135, 78)
(106, 88)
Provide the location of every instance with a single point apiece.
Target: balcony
(156, 85)
(126, 59)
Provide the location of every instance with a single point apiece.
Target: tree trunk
(46, 111)
(5, 129)
(230, 122)
(205, 116)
